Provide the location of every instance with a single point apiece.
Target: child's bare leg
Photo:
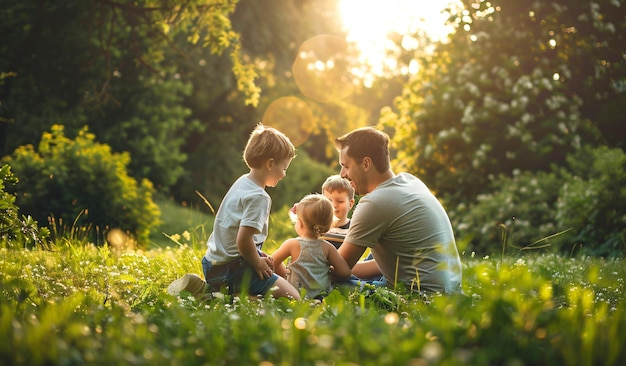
(282, 288)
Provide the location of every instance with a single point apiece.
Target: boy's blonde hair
(316, 213)
(335, 183)
(267, 143)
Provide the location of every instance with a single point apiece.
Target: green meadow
(119, 118)
(82, 304)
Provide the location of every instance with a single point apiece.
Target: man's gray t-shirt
(409, 233)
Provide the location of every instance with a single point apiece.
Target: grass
(88, 305)
(176, 219)
(82, 304)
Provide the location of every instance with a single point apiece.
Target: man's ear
(367, 163)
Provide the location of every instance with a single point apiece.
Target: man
(398, 218)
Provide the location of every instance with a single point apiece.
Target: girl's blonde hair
(267, 143)
(316, 213)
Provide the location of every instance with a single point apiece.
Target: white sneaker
(191, 283)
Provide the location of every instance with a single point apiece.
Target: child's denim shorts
(237, 276)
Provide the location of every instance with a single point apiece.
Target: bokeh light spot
(292, 116)
(117, 238)
(321, 70)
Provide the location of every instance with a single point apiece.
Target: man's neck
(379, 179)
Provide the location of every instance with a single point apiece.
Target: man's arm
(352, 253)
(366, 269)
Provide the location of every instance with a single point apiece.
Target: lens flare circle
(292, 116)
(322, 69)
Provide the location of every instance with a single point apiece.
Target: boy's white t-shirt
(245, 204)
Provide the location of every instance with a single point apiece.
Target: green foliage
(82, 182)
(280, 228)
(580, 205)
(16, 232)
(153, 131)
(90, 305)
(182, 224)
(518, 91)
(520, 207)
(519, 86)
(3, 76)
(304, 176)
(174, 84)
(118, 67)
(593, 201)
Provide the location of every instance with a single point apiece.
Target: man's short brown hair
(366, 142)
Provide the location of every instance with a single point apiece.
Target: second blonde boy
(341, 194)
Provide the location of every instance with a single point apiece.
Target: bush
(82, 182)
(584, 201)
(520, 211)
(593, 201)
(15, 231)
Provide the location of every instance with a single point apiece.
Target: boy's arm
(245, 244)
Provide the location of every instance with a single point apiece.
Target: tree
(519, 85)
(175, 84)
(271, 34)
(112, 64)
(498, 113)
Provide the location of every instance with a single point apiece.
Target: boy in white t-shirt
(234, 259)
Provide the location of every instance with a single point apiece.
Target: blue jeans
(379, 281)
(237, 276)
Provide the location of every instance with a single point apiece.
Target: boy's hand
(270, 262)
(268, 259)
(263, 269)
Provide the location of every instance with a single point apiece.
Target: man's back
(409, 234)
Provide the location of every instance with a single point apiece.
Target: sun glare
(368, 22)
(324, 71)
